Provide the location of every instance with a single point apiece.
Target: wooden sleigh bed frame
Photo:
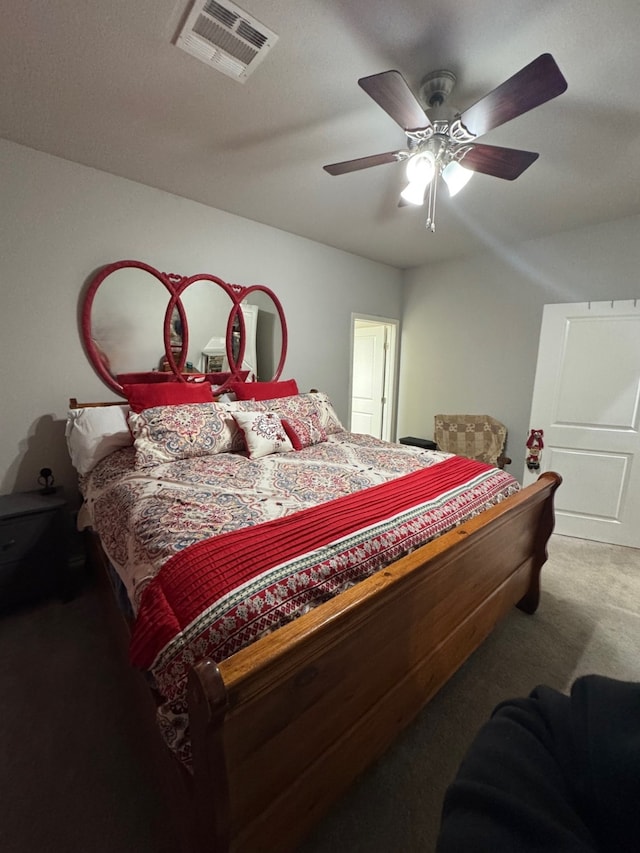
(282, 728)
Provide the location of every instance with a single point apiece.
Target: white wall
(471, 327)
(60, 222)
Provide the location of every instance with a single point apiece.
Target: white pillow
(94, 433)
(263, 433)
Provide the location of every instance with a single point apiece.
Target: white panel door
(586, 399)
(367, 396)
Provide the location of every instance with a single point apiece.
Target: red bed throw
(225, 587)
(219, 595)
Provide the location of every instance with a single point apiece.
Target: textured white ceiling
(102, 84)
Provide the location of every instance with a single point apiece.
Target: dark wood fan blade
(391, 91)
(536, 83)
(362, 163)
(507, 163)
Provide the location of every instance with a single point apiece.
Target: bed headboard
(136, 319)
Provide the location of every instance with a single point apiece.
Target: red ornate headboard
(138, 324)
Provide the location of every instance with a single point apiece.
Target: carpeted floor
(76, 772)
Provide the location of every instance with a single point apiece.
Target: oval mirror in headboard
(136, 320)
(207, 303)
(265, 350)
(122, 319)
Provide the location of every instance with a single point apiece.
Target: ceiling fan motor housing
(436, 88)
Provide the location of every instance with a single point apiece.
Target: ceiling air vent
(226, 38)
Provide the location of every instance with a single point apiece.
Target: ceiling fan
(443, 143)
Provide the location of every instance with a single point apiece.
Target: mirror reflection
(207, 307)
(127, 321)
(267, 339)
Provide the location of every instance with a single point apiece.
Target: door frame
(389, 413)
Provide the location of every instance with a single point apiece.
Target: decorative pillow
(328, 417)
(305, 405)
(263, 433)
(94, 433)
(167, 433)
(297, 406)
(148, 395)
(263, 390)
(303, 432)
(233, 406)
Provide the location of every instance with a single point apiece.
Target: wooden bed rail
(282, 728)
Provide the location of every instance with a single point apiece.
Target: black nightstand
(424, 443)
(34, 536)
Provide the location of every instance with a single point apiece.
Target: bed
(270, 718)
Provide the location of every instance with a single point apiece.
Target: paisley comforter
(217, 551)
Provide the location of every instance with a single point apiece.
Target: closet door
(586, 399)
(368, 375)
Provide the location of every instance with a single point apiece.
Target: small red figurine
(535, 445)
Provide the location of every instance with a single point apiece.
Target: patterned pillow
(234, 406)
(328, 417)
(167, 433)
(263, 433)
(304, 432)
(306, 405)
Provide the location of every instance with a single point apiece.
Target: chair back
(476, 436)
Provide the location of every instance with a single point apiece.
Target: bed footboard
(281, 729)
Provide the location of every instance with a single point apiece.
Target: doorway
(374, 343)
(586, 398)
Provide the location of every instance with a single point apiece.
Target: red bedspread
(221, 594)
(202, 575)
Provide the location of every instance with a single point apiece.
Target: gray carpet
(76, 772)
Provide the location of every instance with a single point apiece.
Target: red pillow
(264, 390)
(147, 395)
(304, 432)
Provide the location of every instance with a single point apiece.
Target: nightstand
(34, 535)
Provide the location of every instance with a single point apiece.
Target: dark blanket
(551, 773)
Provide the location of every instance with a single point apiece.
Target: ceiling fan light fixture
(421, 169)
(456, 177)
(414, 192)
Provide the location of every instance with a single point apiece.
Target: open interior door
(586, 399)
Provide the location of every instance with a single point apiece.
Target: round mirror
(199, 345)
(265, 333)
(123, 319)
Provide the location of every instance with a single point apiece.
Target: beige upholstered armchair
(476, 436)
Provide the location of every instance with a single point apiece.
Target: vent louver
(225, 37)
